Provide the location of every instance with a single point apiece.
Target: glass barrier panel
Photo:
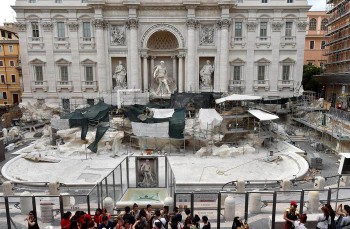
(234, 207)
(182, 201)
(259, 209)
(161, 172)
(283, 200)
(48, 211)
(314, 200)
(93, 197)
(205, 204)
(131, 173)
(340, 197)
(19, 208)
(118, 183)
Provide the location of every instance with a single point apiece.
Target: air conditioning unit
(344, 167)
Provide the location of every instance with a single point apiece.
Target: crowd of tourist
(135, 218)
(328, 219)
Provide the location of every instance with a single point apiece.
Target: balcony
(261, 84)
(61, 42)
(285, 84)
(41, 85)
(236, 84)
(238, 41)
(89, 85)
(34, 42)
(263, 41)
(64, 85)
(288, 40)
(87, 42)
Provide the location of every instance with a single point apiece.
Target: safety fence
(264, 205)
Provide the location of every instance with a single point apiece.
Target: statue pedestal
(165, 96)
(206, 89)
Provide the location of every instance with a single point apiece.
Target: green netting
(98, 112)
(77, 119)
(177, 124)
(101, 130)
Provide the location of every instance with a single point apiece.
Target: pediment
(37, 61)
(288, 60)
(63, 61)
(88, 61)
(263, 61)
(237, 61)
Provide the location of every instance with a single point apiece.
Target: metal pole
(121, 180)
(114, 195)
(61, 206)
(127, 170)
(106, 184)
(175, 202)
(8, 216)
(219, 210)
(192, 203)
(246, 206)
(336, 199)
(98, 196)
(274, 210)
(166, 171)
(302, 202)
(329, 196)
(34, 205)
(88, 204)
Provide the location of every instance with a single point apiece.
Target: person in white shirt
(345, 223)
(323, 219)
(300, 224)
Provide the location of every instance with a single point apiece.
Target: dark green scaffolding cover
(101, 130)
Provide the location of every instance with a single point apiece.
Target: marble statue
(146, 171)
(160, 74)
(206, 73)
(117, 36)
(120, 76)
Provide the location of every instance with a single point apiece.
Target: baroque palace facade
(81, 49)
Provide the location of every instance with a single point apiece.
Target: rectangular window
(91, 102)
(83, 1)
(11, 48)
(86, 30)
(263, 1)
(61, 32)
(0, 48)
(66, 104)
(35, 29)
(4, 95)
(323, 44)
(285, 72)
(13, 78)
(32, 1)
(3, 79)
(312, 44)
(261, 73)
(58, 1)
(38, 73)
(263, 29)
(1, 63)
(89, 75)
(289, 27)
(12, 63)
(237, 73)
(9, 35)
(289, 1)
(64, 73)
(238, 29)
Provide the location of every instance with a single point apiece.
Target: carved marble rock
(162, 83)
(206, 74)
(120, 76)
(117, 35)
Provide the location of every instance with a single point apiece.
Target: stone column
(191, 81)
(49, 69)
(224, 78)
(134, 80)
(217, 62)
(74, 75)
(251, 38)
(100, 24)
(145, 72)
(174, 68)
(274, 73)
(27, 81)
(180, 73)
(152, 62)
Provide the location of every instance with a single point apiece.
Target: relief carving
(251, 26)
(73, 26)
(21, 26)
(302, 25)
(207, 35)
(47, 26)
(277, 26)
(99, 23)
(118, 35)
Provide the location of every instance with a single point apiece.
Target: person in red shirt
(65, 221)
(97, 218)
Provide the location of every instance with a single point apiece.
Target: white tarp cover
(162, 113)
(263, 116)
(158, 130)
(208, 118)
(238, 97)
